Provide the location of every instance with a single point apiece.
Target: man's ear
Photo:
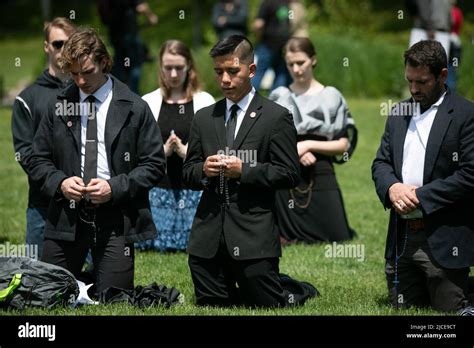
(102, 64)
(443, 76)
(45, 47)
(252, 70)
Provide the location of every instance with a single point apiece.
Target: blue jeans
(268, 58)
(35, 221)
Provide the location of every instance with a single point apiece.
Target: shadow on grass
(383, 301)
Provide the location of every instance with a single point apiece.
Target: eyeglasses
(179, 69)
(57, 44)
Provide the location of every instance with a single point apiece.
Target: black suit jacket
(447, 194)
(134, 153)
(248, 223)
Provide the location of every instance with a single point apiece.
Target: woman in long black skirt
(314, 211)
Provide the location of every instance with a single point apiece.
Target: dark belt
(416, 224)
(89, 211)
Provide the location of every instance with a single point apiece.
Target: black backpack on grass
(25, 283)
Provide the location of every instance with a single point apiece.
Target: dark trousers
(113, 259)
(223, 281)
(421, 280)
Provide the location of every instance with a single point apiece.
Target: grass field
(19, 61)
(348, 286)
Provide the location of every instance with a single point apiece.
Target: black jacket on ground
(28, 109)
(135, 158)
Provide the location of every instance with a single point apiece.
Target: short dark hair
(429, 53)
(238, 44)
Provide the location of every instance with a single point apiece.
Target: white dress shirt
(103, 98)
(416, 139)
(243, 106)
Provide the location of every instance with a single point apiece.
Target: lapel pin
(69, 124)
(253, 114)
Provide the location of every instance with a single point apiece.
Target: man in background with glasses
(29, 106)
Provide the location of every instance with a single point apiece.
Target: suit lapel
(219, 123)
(116, 116)
(250, 117)
(399, 138)
(70, 97)
(440, 125)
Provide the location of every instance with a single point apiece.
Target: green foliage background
(369, 35)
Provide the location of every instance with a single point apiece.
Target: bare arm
(144, 9)
(329, 148)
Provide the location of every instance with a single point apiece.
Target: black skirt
(314, 211)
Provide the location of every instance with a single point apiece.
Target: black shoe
(300, 291)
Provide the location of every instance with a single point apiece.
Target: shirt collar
(101, 94)
(243, 103)
(433, 106)
(439, 101)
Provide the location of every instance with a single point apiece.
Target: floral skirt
(173, 213)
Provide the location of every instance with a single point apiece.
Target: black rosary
(223, 188)
(397, 258)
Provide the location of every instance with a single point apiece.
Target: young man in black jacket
(234, 238)
(29, 106)
(98, 151)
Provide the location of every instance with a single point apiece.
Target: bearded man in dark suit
(424, 173)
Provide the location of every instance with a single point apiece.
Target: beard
(431, 97)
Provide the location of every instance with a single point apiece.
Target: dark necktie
(231, 124)
(90, 161)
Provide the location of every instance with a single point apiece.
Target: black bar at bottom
(164, 330)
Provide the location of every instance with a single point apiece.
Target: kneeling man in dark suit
(240, 151)
(98, 151)
(424, 173)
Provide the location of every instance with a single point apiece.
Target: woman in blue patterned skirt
(174, 105)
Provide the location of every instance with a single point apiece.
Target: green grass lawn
(348, 286)
(21, 60)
